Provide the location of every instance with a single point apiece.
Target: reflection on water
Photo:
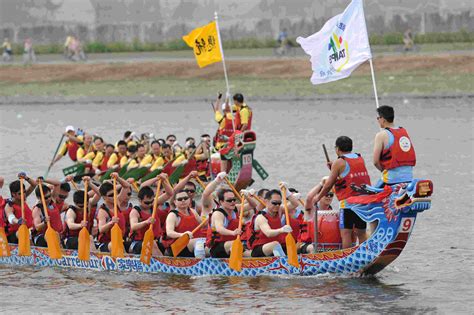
(290, 135)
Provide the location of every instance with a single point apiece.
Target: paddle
(260, 201)
(234, 190)
(84, 246)
(24, 246)
(326, 153)
(4, 248)
(52, 161)
(148, 238)
(237, 251)
(116, 232)
(183, 240)
(51, 236)
(200, 182)
(290, 241)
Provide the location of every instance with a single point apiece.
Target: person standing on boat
(349, 168)
(12, 211)
(243, 113)
(267, 230)
(141, 218)
(224, 119)
(39, 216)
(394, 154)
(72, 144)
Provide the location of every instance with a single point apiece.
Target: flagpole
(223, 64)
(373, 82)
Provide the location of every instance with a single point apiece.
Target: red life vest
(162, 213)
(79, 216)
(12, 228)
(213, 237)
(357, 175)
(126, 216)
(54, 218)
(72, 148)
(2, 212)
(186, 223)
(238, 123)
(105, 238)
(295, 224)
(103, 166)
(259, 238)
(143, 216)
(400, 153)
(227, 130)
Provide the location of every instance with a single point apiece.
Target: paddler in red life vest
(72, 144)
(182, 220)
(224, 219)
(224, 119)
(75, 221)
(349, 168)
(118, 159)
(105, 215)
(394, 154)
(60, 190)
(39, 216)
(189, 187)
(12, 211)
(267, 230)
(140, 220)
(243, 113)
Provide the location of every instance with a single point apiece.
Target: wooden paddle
(200, 182)
(116, 232)
(149, 237)
(260, 201)
(183, 240)
(237, 251)
(290, 241)
(51, 236)
(54, 156)
(84, 246)
(24, 245)
(4, 248)
(236, 193)
(135, 186)
(326, 153)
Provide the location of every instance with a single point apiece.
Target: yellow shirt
(244, 115)
(218, 116)
(81, 154)
(63, 149)
(148, 159)
(98, 159)
(114, 158)
(7, 45)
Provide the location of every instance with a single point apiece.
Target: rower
(98, 154)
(267, 231)
(13, 217)
(138, 158)
(190, 188)
(39, 216)
(118, 158)
(243, 113)
(72, 144)
(349, 168)
(85, 153)
(153, 157)
(394, 154)
(140, 220)
(105, 215)
(109, 151)
(181, 221)
(75, 221)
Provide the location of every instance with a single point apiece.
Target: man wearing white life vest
(394, 154)
(349, 168)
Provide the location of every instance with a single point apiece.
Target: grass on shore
(415, 83)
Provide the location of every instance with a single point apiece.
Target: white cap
(223, 106)
(69, 128)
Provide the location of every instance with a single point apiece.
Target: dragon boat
(394, 208)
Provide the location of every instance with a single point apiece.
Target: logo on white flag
(338, 50)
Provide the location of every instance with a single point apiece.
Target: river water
(434, 274)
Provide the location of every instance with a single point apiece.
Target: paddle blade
(24, 245)
(178, 245)
(52, 238)
(84, 247)
(4, 248)
(291, 251)
(117, 241)
(236, 255)
(147, 246)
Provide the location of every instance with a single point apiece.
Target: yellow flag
(205, 42)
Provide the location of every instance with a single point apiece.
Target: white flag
(340, 46)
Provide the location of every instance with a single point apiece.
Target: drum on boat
(329, 235)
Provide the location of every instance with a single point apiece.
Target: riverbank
(413, 74)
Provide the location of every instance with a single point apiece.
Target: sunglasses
(189, 191)
(276, 203)
(330, 195)
(62, 196)
(148, 202)
(230, 200)
(182, 198)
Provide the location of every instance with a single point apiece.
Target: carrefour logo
(338, 52)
